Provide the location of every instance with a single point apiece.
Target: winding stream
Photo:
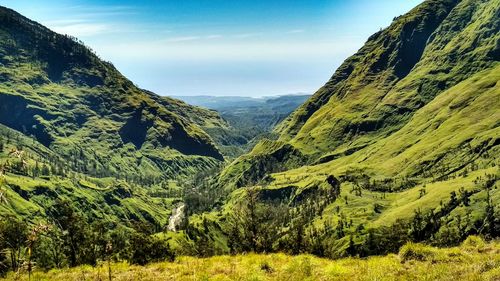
(176, 217)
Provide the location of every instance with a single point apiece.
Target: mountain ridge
(381, 152)
(56, 68)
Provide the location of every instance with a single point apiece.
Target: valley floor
(473, 260)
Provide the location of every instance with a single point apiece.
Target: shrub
(264, 266)
(473, 242)
(414, 251)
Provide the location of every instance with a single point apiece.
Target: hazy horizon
(243, 48)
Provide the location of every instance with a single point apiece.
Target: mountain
(221, 103)
(74, 128)
(57, 90)
(398, 76)
(401, 144)
(402, 140)
(250, 118)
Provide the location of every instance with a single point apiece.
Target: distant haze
(223, 103)
(228, 48)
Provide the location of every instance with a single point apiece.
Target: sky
(220, 47)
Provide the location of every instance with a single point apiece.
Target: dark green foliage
(491, 225)
(255, 226)
(71, 241)
(351, 249)
(201, 193)
(13, 238)
(146, 248)
(74, 229)
(49, 250)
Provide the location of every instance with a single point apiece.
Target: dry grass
(474, 260)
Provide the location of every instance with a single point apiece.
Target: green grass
(29, 197)
(435, 124)
(473, 260)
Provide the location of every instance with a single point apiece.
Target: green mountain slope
(401, 143)
(250, 118)
(72, 128)
(375, 93)
(57, 90)
(397, 72)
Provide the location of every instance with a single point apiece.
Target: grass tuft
(414, 251)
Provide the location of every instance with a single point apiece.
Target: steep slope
(57, 90)
(398, 71)
(33, 178)
(402, 143)
(250, 118)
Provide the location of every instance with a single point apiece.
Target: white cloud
(191, 38)
(63, 22)
(100, 11)
(182, 39)
(86, 21)
(227, 51)
(247, 35)
(83, 29)
(294, 31)
(213, 36)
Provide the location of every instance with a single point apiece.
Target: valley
(250, 118)
(389, 171)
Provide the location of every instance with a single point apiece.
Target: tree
(491, 222)
(351, 249)
(422, 192)
(255, 226)
(49, 250)
(297, 236)
(417, 226)
(147, 248)
(370, 243)
(119, 238)
(73, 228)
(464, 196)
(14, 235)
(245, 219)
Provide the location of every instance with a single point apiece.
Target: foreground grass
(473, 260)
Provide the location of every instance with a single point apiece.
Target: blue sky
(216, 47)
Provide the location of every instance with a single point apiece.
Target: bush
(414, 251)
(473, 242)
(266, 267)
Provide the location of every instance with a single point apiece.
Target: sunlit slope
(448, 145)
(407, 125)
(397, 72)
(33, 178)
(454, 130)
(473, 260)
(57, 90)
(390, 93)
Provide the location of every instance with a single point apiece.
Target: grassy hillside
(401, 144)
(474, 260)
(72, 128)
(398, 71)
(58, 91)
(33, 178)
